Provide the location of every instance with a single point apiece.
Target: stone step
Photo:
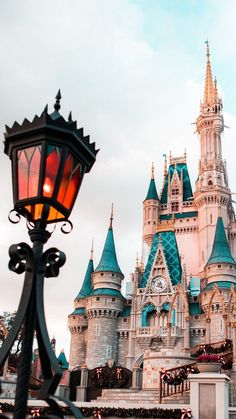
(177, 398)
(141, 396)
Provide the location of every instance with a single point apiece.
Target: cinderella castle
(181, 293)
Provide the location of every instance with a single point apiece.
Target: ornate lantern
(49, 158)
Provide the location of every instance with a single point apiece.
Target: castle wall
(77, 349)
(123, 346)
(102, 341)
(197, 330)
(187, 240)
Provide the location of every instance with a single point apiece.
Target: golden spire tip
(112, 214)
(137, 262)
(152, 173)
(91, 256)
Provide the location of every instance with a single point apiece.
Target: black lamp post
(49, 159)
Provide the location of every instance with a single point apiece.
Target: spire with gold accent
(152, 190)
(211, 102)
(208, 91)
(86, 288)
(108, 261)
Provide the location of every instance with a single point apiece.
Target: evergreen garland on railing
(105, 412)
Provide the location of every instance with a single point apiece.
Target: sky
(132, 72)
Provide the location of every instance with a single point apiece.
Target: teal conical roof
(62, 361)
(152, 191)
(108, 262)
(220, 250)
(86, 288)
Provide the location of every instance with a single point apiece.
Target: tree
(6, 322)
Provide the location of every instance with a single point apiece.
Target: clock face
(158, 283)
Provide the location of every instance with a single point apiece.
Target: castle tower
(150, 216)
(212, 196)
(104, 305)
(221, 265)
(77, 321)
(220, 274)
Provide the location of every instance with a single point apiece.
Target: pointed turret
(86, 288)
(220, 250)
(211, 186)
(108, 261)
(150, 216)
(152, 191)
(208, 91)
(62, 361)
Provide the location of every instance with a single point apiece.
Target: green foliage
(7, 318)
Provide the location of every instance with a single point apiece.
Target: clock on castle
(184, 304)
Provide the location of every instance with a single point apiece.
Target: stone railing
(156, 331)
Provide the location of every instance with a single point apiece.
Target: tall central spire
(208, 91)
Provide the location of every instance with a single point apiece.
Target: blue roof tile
(171, 253)
(220, 250)
(187, 188)
(86, 288)
(152, 191)
(108, 262)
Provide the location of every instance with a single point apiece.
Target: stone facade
(183, 289)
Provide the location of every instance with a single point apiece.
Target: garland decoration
(106, 412)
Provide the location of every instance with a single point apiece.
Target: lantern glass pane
(28, 171)
(53, 160)
(70, 182)
(37, 209)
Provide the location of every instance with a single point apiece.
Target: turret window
(174, 206)
(175, 192)
(97, 330)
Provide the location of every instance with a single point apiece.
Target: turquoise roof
(171, 253)
(108, 260)
(107, 291)
(189, 214)
(79, 311)
(194, 309)
(221, 284)
(187, 189)
(125, 312)
(220, 250)
(152, 191)
(62, 361)
(86, 288)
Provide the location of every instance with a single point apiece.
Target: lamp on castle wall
(49, 156)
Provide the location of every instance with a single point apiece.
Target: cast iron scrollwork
(21, 257)
(53, 259)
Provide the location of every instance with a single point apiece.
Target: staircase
(138, 397)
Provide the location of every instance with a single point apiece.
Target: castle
(184, 286)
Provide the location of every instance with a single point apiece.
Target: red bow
(165, 374)
(99, 372)
(96, 414)
(186, 413)
(35, 412)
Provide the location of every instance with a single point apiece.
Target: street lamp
(49, 159)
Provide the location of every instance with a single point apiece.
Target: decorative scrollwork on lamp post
(49, 159)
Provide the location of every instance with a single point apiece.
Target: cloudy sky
(132, 73)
